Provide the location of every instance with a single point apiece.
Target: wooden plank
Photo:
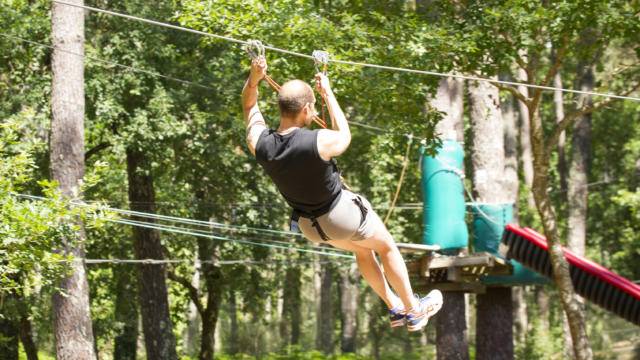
(477, 259)
(412, 248)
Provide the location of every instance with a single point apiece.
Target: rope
(473, 203)
(186, 82)
(193, 232)
(352, 63)
(404, 167)
(213, 262)
(255, 49)
(212, 224)
(222, 238)
(12, 37)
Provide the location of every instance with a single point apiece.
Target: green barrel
(487, 234)
(444, 207)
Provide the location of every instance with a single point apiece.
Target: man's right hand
(322, 85)
(258, 70)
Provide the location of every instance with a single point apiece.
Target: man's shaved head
(293, 96)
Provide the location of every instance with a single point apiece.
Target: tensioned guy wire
(213, 262)
(108, 62)
(215, 237)
(212, 224)
(148, 72)
(345, 62)
(192, 232)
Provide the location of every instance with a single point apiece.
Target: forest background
(176, 148)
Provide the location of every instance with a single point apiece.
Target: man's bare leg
(395, 268)
(370, 270)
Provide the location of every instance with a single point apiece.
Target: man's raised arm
(252, 116)
(332, 142)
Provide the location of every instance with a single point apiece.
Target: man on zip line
(300, 163)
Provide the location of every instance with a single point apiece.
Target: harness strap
(363, 209)
(316, 224)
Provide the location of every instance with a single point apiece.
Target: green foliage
(33, 231)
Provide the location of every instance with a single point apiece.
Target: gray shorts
(344, 221)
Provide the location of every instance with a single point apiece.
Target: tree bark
(451, 343)
(73, 331)
(291, 307)
(449, 101)
(487, 145)
(8, 347)
(558, 106)
(233, 315)
(324, 340)
(542, 301)
(525, 137)
(26, 337)
(494, 324)
(126, 313)
(452, 338)
(511, 181)
(559, 263)
(577, 190)
(152, 279)
(190, 337)
(349, 290)
(494, 329)
(213, 281)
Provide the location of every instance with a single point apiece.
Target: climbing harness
(255, 49)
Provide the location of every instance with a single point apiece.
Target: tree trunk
(520, 318)
(558, 105)
(487, 146)
(190, 338)
(73, 331)
(233, 315)
(452, 338)
(212, 277)
(26, 337)
(511, 180)
(577, 190)
(324, 340)
(449, 99)
(542, 301)
(511, 184)
(291, 303)
(349, 290)
(494, 324)
(152, 279)
(126, 313)
(525, 138)
(9, 342)
(559, 263)
(451, 342)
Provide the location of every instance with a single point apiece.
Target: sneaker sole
(398, 323)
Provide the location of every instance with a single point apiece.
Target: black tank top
(308, 183)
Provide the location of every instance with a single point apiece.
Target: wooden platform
(456, 273)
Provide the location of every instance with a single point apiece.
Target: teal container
(487, 234)
(442, 193)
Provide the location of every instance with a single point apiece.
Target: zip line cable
(148, 72)
(213, 262)
(193, 232)
(361, 64)
(132, 68)
(215, 237)
(212, 224)
(205, 232)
